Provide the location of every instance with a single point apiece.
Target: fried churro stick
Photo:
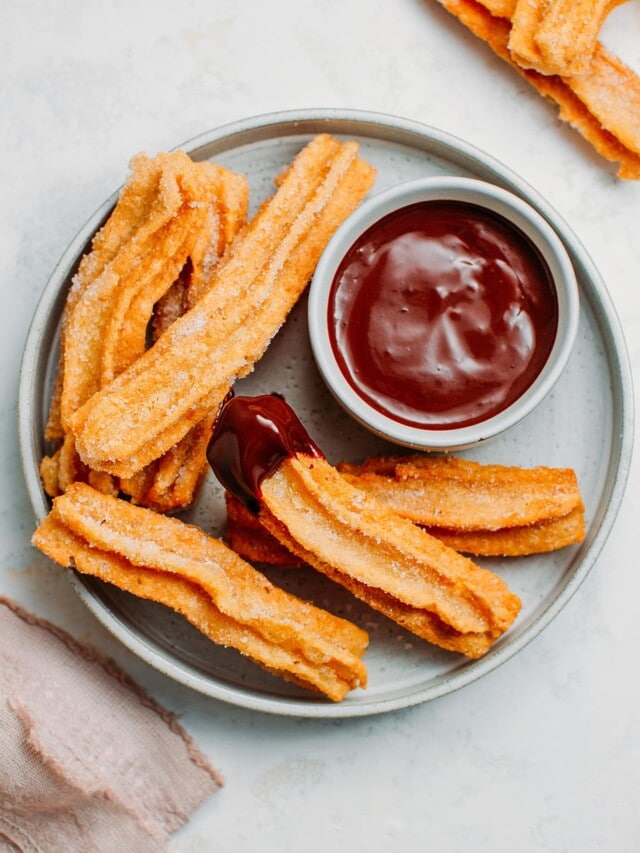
(525, 22)
(538, 538)
(141, 199)
(188, 371)
(178, 565)
(559, 37)
(458, 494)
(260, 451)
(610, 128)
(568, 35)
(144, 241)
(174, 220)
(149, 206)
(248, 538)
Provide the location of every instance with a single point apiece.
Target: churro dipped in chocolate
(261, 453)
(484, 510)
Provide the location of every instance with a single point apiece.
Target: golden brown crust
(567, 36)
(134, 206)
(178, 565)
(152, 405)
(459, 494)
(538, 538)
(333, 526)
(608, 128)
(159, 247)
(485, 510)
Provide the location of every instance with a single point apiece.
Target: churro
(260, 452)
(157, 249)
(178, 565)
(602, 104)
(568, 34)
(558, 37)
(484, 510)
(459, 494)
(141, 201)
(152, 404)
(526, 18)
(247, 537)
(172, 222)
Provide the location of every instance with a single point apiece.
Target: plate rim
(451, 146)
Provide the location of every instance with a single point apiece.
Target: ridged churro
(178, 565)
(172, 222)
(485, 510)
(247, 537)
(558, 37)
(602, 104)
(460, 494)
(261, 453)
(151, 406)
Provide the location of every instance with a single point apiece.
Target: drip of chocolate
(252, 436)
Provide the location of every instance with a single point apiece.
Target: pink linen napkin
(88, 762)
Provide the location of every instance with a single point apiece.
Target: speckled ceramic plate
(585, 423)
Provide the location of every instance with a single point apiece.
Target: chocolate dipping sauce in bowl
(442, 312)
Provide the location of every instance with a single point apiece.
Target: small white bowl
(491, 198)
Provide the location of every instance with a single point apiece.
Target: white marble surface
(540, 755)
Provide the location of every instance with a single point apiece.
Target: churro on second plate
(602, 103)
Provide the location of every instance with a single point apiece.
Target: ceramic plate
(585, 423)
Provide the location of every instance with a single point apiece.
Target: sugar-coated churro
(459, 494)
(178, 565)
(151, 406)
(260, 451)
(172, 222)
(555, 36)
(568, 34)
(601, 104)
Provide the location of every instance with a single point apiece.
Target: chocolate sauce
(442, 314)
(252, 436)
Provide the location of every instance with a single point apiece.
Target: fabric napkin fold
(87, 760)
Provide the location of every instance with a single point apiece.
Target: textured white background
(541, 755)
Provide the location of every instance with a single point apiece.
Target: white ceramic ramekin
(492, 198)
